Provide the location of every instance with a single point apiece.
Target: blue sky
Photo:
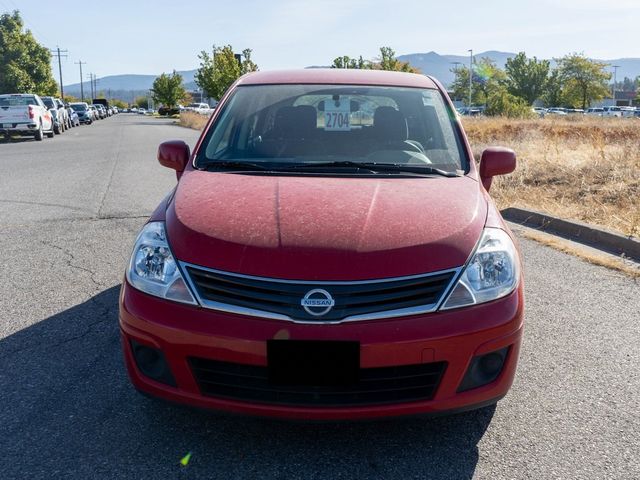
(119, 36)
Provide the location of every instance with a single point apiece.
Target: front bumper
(455, 337)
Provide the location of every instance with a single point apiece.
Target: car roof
(338, 76)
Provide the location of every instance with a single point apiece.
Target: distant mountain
(124, 86)
(127, 87)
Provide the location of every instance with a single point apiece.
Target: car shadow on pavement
(4, 139)
(70, 412)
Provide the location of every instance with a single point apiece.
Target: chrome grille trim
(236, 309)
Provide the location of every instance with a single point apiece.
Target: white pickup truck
(201, 108)
(24, 114)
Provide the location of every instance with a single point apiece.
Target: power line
(59, 53)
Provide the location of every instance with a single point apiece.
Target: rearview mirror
(496, 161)
(175, 155)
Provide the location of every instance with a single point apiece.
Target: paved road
(69, 211)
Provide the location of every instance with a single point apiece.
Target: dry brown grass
(193, 120)
(582, 168)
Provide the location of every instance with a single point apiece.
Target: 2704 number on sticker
(336, 121)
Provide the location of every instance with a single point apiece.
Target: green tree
(584, 80)
(501, 102)
(25, 65)
(142, 102)
(220, 69)
(486, 78)
(168, 90)
(526, 77)
(553, 91)
(388, 61)
(118, 103)
(348, 62)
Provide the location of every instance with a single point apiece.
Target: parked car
(164, 111)
(102, 112)
(612, 111)
(627, 112)
(65, 114)
(25, 114)
(471, 111)
(85, 115)
(59, 114)
(312, 266)
(594, 111)
(556, 111)
(105, 104)
(142, 111)
(540, 111)
(134, 110)
(74, 119)
(94, 112)
(202, 108)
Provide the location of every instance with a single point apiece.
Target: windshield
(78, 107)
(278, 125)
(48, 102)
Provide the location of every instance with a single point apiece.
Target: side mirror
(496, 161)
(175, 155)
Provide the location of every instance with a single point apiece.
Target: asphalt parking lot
(70, 208)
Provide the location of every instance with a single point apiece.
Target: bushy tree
(142, 102)
(584, 80)
(388, 61)
(526, 77)
(168, 90)
(486, 78)
(348, 62)
(219, 70)
(553, 95)
(119, 103)
(25, 65)
(501, 102)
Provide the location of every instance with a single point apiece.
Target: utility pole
(60, 53)
(90, 76)
(80, 62)
(470, 77)
(615, 82)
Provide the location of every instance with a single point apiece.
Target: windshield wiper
(378, 167)
(234, 165)
(372, 167)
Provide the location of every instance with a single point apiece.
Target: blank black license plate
(313, 363)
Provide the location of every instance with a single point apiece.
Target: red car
(330, 252)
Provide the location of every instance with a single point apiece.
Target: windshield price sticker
(336, 115)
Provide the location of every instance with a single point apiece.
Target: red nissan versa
(329, 252)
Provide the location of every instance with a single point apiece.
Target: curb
(578, 232)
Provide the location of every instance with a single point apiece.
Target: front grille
(405, 295)
(408, 383)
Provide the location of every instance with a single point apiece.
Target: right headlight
(492, 272)
(153, 269)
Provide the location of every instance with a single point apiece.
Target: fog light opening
(484, 369)
(491, 364)
(151, 363)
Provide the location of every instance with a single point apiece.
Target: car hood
(324, 228)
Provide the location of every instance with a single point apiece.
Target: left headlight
(492, 272)
(153, 269)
